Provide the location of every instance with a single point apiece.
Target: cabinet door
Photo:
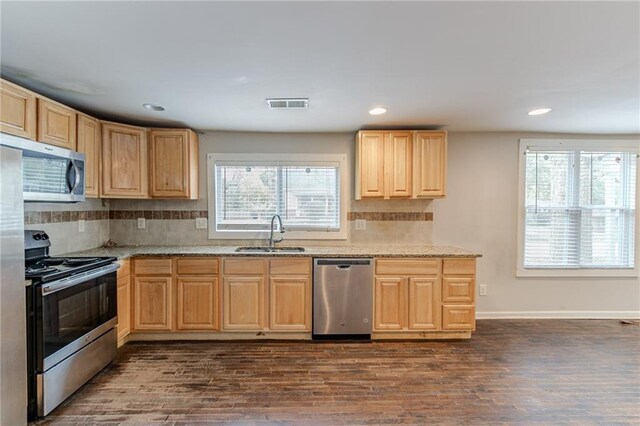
(243, 303)
(89, 144)
(429, 164)
(370, 165)
(17, 110)
(152, 299)
(173, 163)
(459, 317)
(290, 307)
(124, 161)
(424, 303)
(56, 124)
(390, 303)
(197, 303)
(124, 306)
(398, 165)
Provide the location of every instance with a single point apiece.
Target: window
(248, 192)
(578, 206)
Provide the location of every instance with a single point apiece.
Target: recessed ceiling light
(539, 111)
(153, 107)
(377, 111)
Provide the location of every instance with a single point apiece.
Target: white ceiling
(455, 65)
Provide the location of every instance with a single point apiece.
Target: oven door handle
(58, 285)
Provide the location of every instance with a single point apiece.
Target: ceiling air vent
(294, 103)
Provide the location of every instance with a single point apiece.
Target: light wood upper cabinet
(290, 303)
(398, 165)
(17, 110)
(390, 302)
(370, 149)
(56, 124)
(243, 303)
(152, 303)
(197, 303)
(124, 161)
(173, 163)
(89, 136)
(429, 164)
(424, 303)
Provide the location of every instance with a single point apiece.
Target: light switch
(142, 223)
(81, 225)
(201, 223)
(361, 224)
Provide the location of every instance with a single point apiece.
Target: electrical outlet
(201, 223)
(361, 224)
(81, 225)
(483, 289)
(142, 223)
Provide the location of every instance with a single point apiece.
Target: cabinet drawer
(407, 266)
(459, 266)
(153, 266)
(197, 266)
(125, 268)
(244, 266)
(290, 266)
(458, 289)
(459, 317)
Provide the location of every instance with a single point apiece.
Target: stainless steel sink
(270, 250)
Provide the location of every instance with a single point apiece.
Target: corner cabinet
(89, 136)
(173, 163)
(124, 161)
(17, 110)
(400, 164)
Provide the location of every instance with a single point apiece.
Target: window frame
(569, 145)
(341, 159)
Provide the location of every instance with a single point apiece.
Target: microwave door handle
(77, 176)
(68, 178)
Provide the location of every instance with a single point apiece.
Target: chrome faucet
(272, 242)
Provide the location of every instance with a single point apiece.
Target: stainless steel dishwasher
(342, 298)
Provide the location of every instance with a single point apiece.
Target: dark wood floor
(527, 372)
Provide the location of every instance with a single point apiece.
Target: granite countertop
(124, 252)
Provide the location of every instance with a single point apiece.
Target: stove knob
(45, 236)
(37, 237)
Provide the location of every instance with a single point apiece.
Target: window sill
(576, 273)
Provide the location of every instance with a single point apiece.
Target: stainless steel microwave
(49, 173)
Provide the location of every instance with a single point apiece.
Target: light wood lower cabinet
(124, 300)
(290, 298)
(414, 295)
(197, 303)
(243, 303)
(390, 303)
(152, 303)
(424, 303)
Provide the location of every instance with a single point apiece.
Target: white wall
(480, 213)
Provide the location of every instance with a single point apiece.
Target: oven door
(73, 312)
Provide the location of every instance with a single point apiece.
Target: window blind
(305, 196)
(579, 209)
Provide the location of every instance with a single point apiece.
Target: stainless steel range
(71, 318)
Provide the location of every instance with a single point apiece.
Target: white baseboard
(560, 314)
